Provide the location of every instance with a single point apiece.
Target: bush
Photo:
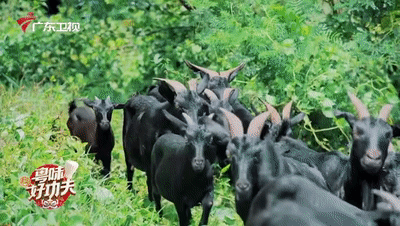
(293, 51)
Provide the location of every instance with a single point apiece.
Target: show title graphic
(48, 26)
(25, 21)
(50, 185)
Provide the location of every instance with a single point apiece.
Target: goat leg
(183, 213)
(129, 173)
(207, 203)
(157, 200)
(106, 160)
(149, 186)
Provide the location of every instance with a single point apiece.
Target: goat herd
(175, 135)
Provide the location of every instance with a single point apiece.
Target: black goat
(218, 82)
(188, 101)
(285, 123)
(391, 181)
(144, 122)
(371, 140)
(181, 169)
(94, 128)
(255, 161)
(353, 178)
(392, 204)
(228, 98)
(294, 200)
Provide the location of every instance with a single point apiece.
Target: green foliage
(97, 201)
(293, 51)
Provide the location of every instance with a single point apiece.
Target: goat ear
(166, 91)
(203, 84)
(385, 111)
(89, 103)
(174, 120)
(362, 110)
(119, 106)
(233, 96)
(203, 71)
(351, 119)
(283, 130)
(296, 119)
(232, 73)
(396, 130)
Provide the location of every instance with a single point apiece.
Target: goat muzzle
(374, 154)
(198, 164)
(105, 125)
(242, 186)
(372, 161)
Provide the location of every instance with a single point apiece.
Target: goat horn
(392, 199)
(192, 84)
(176, 86)
(227, 93)
(385, 111)
(235, 125)
(286, 111)
(211, 95)
(390, 147)
(188, 119)
(257, 124)
(362, 111)
(226, 74)
(196, 68)
(275, 117)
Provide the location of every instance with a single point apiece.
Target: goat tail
(72, 106)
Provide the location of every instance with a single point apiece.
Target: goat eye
(256, 159)
(358, 133)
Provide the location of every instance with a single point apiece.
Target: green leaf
(157, 58)
(327, 103)
(196, 48)
(26, 220)
(270, 99)
(226, 168)
(41, 221)
(314, 94)
(328, 113)
(4, 218)
(51, 219)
